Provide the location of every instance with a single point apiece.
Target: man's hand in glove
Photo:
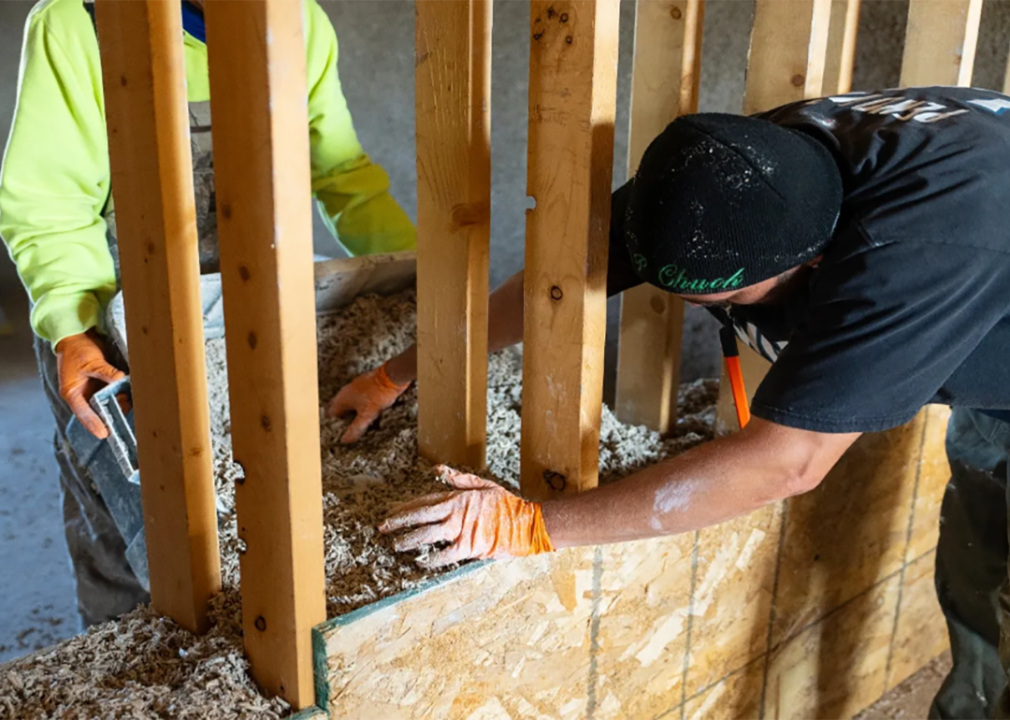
(366, 396)
(83, 371)
(480, 519)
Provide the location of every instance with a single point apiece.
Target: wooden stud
(453, 119)
(573, 83)
(261, 148)
(841, 54)
(665, 75)
(940, 41)
(144, 79)
(786, 64)
(1006, 77)
(787, 52)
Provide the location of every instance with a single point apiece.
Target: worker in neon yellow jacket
(58, 221)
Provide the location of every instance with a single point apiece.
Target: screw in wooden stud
(556, 293)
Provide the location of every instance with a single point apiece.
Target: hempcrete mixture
(145, 666)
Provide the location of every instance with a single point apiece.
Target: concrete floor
(376, 62)
(35, 577)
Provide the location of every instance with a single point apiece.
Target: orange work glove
(83, 371)
(367, 396)
(480, 519)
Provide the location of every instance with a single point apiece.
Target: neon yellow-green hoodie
(54, 182)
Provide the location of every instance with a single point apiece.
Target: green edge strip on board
(319, 668)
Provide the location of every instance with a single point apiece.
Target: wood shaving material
(145, 666)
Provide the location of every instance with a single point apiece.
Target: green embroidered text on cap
(676, 280)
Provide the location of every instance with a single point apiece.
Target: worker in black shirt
(860, 243)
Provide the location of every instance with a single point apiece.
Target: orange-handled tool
(727, 337)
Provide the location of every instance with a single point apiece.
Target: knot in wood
(556, 293)
(675, 13)
(798, 80)
(555, 480)
(657, 305)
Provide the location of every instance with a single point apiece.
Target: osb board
(548, 636)
(340, 281)
(707, 624)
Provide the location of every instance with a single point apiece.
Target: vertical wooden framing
(261, 147)
(788, 48)
(940, 41)
(665, 75)
(841, 53)
(573, 84)
(786, 64)
(453, 117)
(144, 79)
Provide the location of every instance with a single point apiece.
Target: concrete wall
(376, 64)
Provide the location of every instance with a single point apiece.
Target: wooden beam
(787, 52)
(573, 83)
(261, 148)
(786, 64)
(841, 54)
(940, 41)
(144, 79)
(1006, 76)
(665, 75)
(453, 120)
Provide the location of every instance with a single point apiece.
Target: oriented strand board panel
(921, 632)
(258, 89)
(643, 629)
(665, 74)
(732, 601)
(453, 119)
(837, 667)
(850, 532)
(148, 123)
(573, 86)
(341, 280)
(934, 474)
(940, 41)
(585, 632)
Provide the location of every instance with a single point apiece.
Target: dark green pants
(971, 567)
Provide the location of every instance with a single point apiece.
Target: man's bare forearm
(504, 328)
(712, 483)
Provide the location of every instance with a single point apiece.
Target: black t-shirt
(911, 303)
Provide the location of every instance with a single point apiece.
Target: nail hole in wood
(243, 272)
(265, 422)
(252, 340)
(556, 293)
(261, 623)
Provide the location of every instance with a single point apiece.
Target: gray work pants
(971, 567)
(106, 586)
